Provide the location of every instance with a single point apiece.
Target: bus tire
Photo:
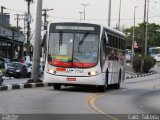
(117, 85)
(102, 88)
(57, 86)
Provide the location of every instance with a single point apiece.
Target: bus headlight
(92, 73)
(50, 71)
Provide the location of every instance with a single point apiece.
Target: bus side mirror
(106, 40)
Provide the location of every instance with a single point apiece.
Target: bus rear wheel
(117, 85)
(57, 86)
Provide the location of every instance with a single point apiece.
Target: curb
(21, 86)
(7, 78)
(139, 75)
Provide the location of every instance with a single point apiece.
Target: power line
(137, 2)
(152, 7)
(15, 10)
(156, 16)
(140, 3)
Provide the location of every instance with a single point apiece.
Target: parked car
(5, 62)
(1, 79)
(29, 69)
(17, 69)
(128, 57)
(157, 57)
(2, 63)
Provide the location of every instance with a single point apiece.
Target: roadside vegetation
(153, 40)
(149, 62)
(153, 35)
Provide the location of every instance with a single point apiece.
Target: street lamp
(119, 15)
(80, 15)
(109, 13)
(133, 33)
(84, 10)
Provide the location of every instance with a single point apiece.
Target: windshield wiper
(83, 38)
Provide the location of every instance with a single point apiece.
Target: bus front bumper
(71, 80)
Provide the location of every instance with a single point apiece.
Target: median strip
(139, 75)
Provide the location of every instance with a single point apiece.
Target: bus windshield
(77, 50)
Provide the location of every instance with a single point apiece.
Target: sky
(96, 11)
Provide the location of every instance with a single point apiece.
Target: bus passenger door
(103, 62)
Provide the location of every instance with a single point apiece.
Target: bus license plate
(71, 79)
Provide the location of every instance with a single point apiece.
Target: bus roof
(112, 30)
(154, 48)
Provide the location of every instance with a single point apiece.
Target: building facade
(11, 43)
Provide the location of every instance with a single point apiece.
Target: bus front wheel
(57, 86)
(102, 88)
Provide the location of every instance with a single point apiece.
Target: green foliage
(3, 70)
(153, 34)
(149, 62)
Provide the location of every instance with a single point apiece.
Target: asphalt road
(136, 98)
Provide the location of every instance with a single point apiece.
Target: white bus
(84, 54)
(153, 51)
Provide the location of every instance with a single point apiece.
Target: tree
(153, 35)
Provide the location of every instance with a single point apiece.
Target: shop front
(11, 44)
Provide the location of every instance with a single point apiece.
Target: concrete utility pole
(143, 39)
(146, 38)
(2, 8)
(133, 39)
(85, 10)
(21, 17)
(119, 20)
(28, 25)
(45, 17)
(37, 43)
(109, 13)
(17, 20)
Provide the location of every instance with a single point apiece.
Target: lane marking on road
(91, 104)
